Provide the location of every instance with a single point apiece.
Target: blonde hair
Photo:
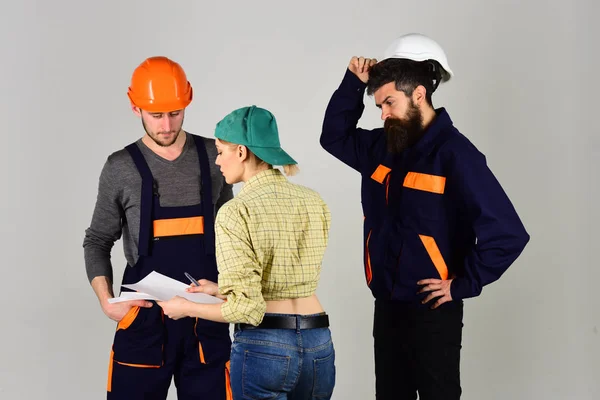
(288, 169)
(291, 169)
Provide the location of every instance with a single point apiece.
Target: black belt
(288, 322)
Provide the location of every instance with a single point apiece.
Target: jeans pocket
(324, 379)
(264, 375)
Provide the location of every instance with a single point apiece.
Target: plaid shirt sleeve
(240, 273)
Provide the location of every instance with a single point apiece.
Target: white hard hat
(418, 47)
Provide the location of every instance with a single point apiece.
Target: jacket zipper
(397, 272)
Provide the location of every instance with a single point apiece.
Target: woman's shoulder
(308, 192)
(232, 209)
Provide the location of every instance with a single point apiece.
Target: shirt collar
(439, 123)
(270, 175)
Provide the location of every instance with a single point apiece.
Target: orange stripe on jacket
(436, 255)
(369, 270)
(380, 173)
(426, 182)
(201, 351)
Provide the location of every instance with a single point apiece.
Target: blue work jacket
(433, 211)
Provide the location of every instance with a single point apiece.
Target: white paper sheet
(128, 296)
(156, 286)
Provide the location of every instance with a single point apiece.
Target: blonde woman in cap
(270, 241)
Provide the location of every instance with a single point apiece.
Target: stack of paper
(156, 286)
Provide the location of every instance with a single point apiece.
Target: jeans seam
(266, 343)
(319, 348)
(298, 374)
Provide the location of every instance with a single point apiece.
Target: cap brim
(273, 155)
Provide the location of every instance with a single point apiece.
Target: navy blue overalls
(150, 349)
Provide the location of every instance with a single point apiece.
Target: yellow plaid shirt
(270, 241)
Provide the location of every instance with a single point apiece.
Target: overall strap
(146, 199)
(206, 196)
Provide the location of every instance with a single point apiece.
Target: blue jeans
(287, 364)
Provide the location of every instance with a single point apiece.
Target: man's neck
(429, 115)
(169, 152)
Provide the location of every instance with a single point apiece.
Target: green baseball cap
(255, 128)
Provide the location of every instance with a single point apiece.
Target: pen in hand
(191, 278)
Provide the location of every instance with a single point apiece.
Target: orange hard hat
(159, 85)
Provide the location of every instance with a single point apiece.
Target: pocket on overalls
(214, 341)
(139, 338)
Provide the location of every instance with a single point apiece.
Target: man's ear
(136, 110)
(419, 96)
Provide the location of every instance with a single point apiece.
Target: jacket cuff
(353, 83)
(463, 288)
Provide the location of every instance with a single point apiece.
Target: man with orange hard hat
(161, 193)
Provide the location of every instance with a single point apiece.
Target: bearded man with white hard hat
(438, 226)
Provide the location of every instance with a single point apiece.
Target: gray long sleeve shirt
(117, 210)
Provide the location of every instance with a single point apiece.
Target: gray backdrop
(526, 81)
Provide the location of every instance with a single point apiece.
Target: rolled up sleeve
(240, 273)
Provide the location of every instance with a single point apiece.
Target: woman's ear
(242, 152)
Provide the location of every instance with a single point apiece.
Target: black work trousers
(417, 350)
